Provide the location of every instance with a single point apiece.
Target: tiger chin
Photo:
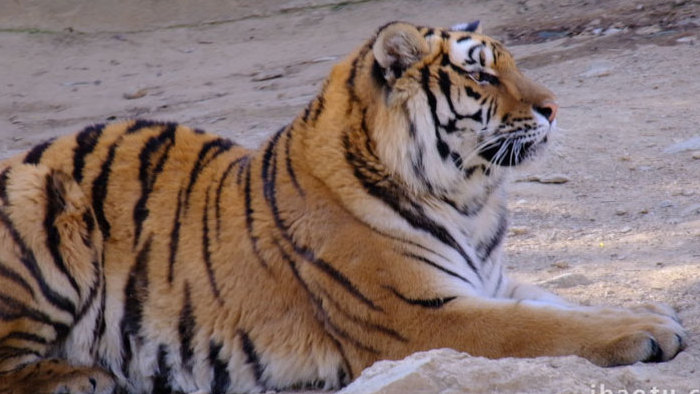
(150, 257)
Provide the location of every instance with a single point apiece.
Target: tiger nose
(548, 109)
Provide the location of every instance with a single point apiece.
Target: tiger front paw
(651, 333)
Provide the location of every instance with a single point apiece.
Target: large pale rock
(448, 371)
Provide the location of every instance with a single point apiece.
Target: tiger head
(444, 104)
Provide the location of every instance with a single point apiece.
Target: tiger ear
(470, 27)
(397, 47)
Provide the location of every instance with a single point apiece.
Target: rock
(449, 371)
(686, 40)
(518, 230)
(598, 69)
(552, 179)
(566, 281)
(666, 204)
(136, 95)
(648, 30)
(561, 265)
(620, 212)
(691, 210)
(266, 76)
(687, 145)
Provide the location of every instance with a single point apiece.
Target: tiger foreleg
(506, 328)
(54, 376)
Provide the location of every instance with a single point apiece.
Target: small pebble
(696, 155)
(691, 210)
(666, 204)
(687, 145)
(561, 265)
(519, 230)
(647, 30)
(620, 212)
(569, 280)
(136, 95)
(550, 179)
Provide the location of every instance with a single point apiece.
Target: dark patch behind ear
(469, 27)
(398, 46)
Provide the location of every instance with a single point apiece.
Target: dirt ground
(621, 222)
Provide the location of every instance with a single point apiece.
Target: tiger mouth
(512, 150)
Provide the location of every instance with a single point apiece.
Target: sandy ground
(621, 226)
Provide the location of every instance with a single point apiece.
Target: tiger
(146, 256)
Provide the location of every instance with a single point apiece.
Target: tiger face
(468, 106)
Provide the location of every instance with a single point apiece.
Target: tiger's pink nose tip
(548, 109)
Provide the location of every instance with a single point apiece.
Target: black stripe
(29, 261)
(149, 171)
(10, 352)
(206, 253)
(175, 236)
(4, 176)
(135, 295)
(13, 276)
(252, 357)
(100, 324)
(441, 145)
(24, 336)
(438, 266)
(140, 124)
(185, 328)
(34, 155)
(350, 82)
(219, 146)
(86, 140)
(89, 222)
(12, 309)
(470, 92)
(55, 204)
(288, 162)
(92, 293)
(221, 380)
(485, 249)
(320, 103)
(465, 38)
(239, 174)
(249, 218)
(99, 191)
(477, 204)
(220, 189)
(269, 178)
(432, 303)
(470, 53)
(161, 380)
